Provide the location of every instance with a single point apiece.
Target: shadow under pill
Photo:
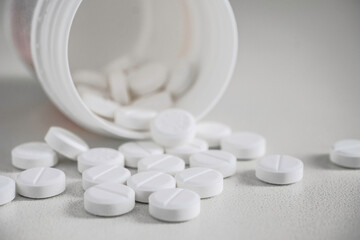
(69, 167)
(74, 189)
(248, 178)
(322, 162)
(141, 214)
(76, 209)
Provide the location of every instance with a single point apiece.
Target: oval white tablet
(148, 78)
(7, 190)
(204, 181)
(212, 132)
(99, 156)
(185, 151)
(181, 79)
(91, 78)
(134, 118)
(279, 169)
(158, 101)
(85, 89)
(100, 106)
(145, 183)
(174, 205)
(244, 145)
(109, 199)
(33, 154)
(40, 182)
(65, 142)
(346, 153)
(173, 127)
(135, 151)
(119, 87)
(221, 161)
(104, 174)
(161, 163)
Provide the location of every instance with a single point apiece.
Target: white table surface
(296, 82)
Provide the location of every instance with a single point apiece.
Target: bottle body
(47, 35)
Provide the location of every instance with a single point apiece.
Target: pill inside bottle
(97, 60)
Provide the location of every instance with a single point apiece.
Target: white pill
(174, 205)
(204, 181)
(158, 101)
(65, 142)
(346, 153)
(145, 183)
(91, 78)
(85, 89)
(99, 156)
(109, 199)
(124, 63)
(7, 190)
(134, 118)
(181, 79)
(212, 132)
(104, 174)
(279, 169)
(40, 182)
(244, 145)
(33, 154)
(221, 161)
(101, 106)
(185, 151)
(119, 87)
(161, 163)
(135, 151)
(147, 79)
(173, 127)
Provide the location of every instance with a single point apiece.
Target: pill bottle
(53, 35)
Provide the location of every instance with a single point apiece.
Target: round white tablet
(185, 151)
(109, 199)
(279, 169)
(99, 156)
(33, 154)
(212, 132)
(104, 174)
(40, 182)
(244, 145)
(91, 78)
(158, 101)
(161, 163)
(173, 127)
(174, 205)
(100, 105)
(119, 87)
(346, 153)
(135, 151)
(145, 183)
(147, 79)
(7, 190)
(204, 181)
(65, 142)
(221, 161)
(134, 118)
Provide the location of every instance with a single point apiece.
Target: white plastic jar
(53, 35)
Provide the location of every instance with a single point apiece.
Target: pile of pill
(183, 163)
(129, 93)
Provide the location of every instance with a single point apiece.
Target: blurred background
(316, 39)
